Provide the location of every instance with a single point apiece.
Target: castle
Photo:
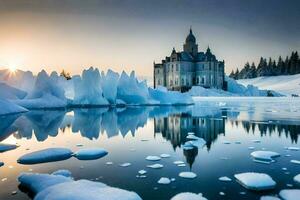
(182, 70)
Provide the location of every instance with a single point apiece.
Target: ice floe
(164, 155)
(293, 148)
(225, 179)
(142, 172)
(153, 158)
(264, 155)
(46, 155)
(255, 181)
(63, 172)
(7, 147)
(164, 181)
(90, 154)
(297, 179)
(125, 164)
(178, 162)
(189, 175)
(57, 187)
(155, 166)
(295, 162)
(188, 196)
(290, 194)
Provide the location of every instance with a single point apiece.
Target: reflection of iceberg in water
(43, 123)
(88, 122)
(6, 128)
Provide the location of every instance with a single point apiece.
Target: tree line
(289, 66)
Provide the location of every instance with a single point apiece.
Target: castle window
(198, 80)
(202, 80)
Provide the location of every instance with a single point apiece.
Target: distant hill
(289, 66)
(286, 84)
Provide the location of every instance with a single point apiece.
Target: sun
(12, 68)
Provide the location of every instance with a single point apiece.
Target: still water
(229, 126)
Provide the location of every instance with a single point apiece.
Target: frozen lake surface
(232, 128)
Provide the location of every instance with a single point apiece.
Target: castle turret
(190, 45)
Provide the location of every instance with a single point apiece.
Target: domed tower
(190, 45)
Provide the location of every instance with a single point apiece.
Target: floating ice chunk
(178, 162)
(164, 155)
(63, 172)
(153, 158)
(225, 179)
(109, 163)
(269, 198)
(192, 137)
(222, 193)
(125, 164)
(181, 165)
(173, 179)
(7, 147)
(188, 196)
(191, 133)
(255, 181)
(265, 155)
(297, 179)
(90, 154)
(251, 148)
(263, 161)
(189, 145)
(38, 182)
(164, 181)
(54, 187)
(46, 155)
(290, 194)
(293, 148)
(155, 166)
(142, 172)
(295, 162)
(237, 142)
(189, 175)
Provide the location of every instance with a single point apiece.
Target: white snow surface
(265, 155)
(188, 196)
(57, 187)
(46, 155)
(289, 194)
(255, 181)
(287, 84)
(90, 154)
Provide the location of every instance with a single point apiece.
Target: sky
(131, 34)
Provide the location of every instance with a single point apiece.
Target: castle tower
(190, 45)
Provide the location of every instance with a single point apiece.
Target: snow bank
(188, 196)
(57, 187)
(46, 155)
(8, 107)
(88, 88)
(286, 84)
(255, 181)
(90, 154)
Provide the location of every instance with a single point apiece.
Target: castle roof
(190, 38)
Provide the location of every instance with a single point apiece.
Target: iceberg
(153, 158)
(297, 179)
(8, 107)
(90, 154)
(88, 90)
(188, 196)
(109, 85)
(9, 92)
(57, 187)
(255, 181)
(46, 155)
(164, 181)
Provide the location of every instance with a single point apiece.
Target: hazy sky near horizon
(131, 34)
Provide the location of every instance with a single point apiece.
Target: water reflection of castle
(176, 127)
